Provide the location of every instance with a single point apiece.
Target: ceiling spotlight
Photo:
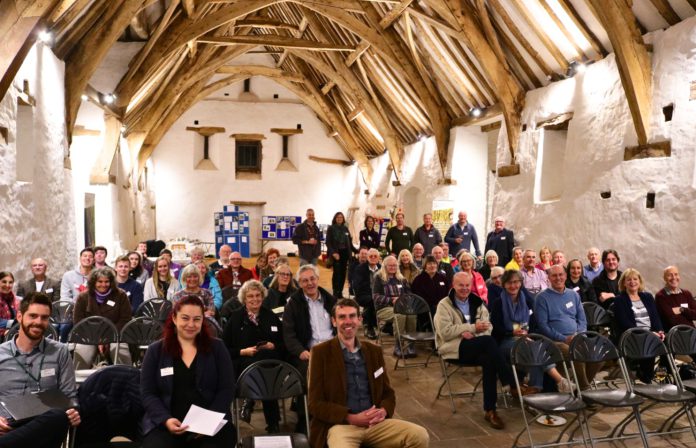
(421, 138)
(84, 97)
(476, 112)
(45, 36)
(108, 98)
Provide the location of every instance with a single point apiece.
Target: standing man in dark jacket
(427, 234)
(399, 237)
(461, 235)
(502, 241)
(307, 236)
(363, 279)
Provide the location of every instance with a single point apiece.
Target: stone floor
(466, 428)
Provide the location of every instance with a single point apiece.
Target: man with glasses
(30, 363)
(306, 323)
(495, 285)
(233, 276)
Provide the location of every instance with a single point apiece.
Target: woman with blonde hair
(407, 267)
(544, 259)
(388, 287)
(162, 284)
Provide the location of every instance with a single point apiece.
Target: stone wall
(601, 127)
(36, 217)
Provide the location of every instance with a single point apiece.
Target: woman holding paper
(186, 367)
(254, 333)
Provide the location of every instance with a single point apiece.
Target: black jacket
(369, 239)
(502, 243)
(240, 333)
(362, 283)
(297, 330)
(307, 251)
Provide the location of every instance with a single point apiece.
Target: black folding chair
(268, 380)
(139, 333)
(154, 309)
(215, 326)
(592, 347)
(50, 332)
(537, 351)
(227, 308)
(681, 341)
(640, 344)
(597, 317)
(62, 312)
(412, 305)
(94, 330)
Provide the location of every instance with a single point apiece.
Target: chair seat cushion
(554, 402)
(612, 398)
(663, 392)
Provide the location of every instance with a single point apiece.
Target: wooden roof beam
(666, 11)
(276, 41)
(632, 58)
(509, 93)
(266, 23)
(99, 174)
(261, 70)
(359, 50)
(85, 57)
(394, 14)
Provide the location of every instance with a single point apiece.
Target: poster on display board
(443, 213)
(279, 227)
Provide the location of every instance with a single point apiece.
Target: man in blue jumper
(461, 235)
(560, 317)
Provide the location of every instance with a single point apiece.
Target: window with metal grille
(248, 156)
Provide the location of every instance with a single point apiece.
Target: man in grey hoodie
(74, 282)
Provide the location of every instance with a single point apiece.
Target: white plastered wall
(36, 217)
(187, 198)
(646, 239)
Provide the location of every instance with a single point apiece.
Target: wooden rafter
(85, 57)
(276, 41)
(632, 58)
(666, 11)
(394, 14)
(266, 23)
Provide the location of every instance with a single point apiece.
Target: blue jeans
(536, 374)
(63, 330)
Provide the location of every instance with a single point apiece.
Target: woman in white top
(162, 284)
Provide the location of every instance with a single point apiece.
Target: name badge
(48, 372)
(466, 233)
(467, 317)
(49, 290)
(531, 312)
(502, 238)
(442, 283)
(405, 234)
(369, 238)
(167, 371)
(128, 293)
(110, 302)
(399, 286)
(684, 305)
(379, 372)
(274, 328)
(569, 305)
(347, 233)
(431, 236)
(576, 289)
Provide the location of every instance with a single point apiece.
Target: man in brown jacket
(350, 399)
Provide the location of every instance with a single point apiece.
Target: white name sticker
(466, 233)
(569, 305)
(379, 372)
(576, 289)
(167, 371)
(48, 372)
(49, 290)
(531, 312)
(502, 238)
(274, 328)
(467, 317)
(347, 234)
(684, 305)
(128, 293)
(431, 236)
(110, 302)
(399, 286)
(405, 234)
(442, 283)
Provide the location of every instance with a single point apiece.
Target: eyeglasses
(236, 259)
(496, 277)
(284, 274)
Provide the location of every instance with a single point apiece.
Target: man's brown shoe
(494, 420)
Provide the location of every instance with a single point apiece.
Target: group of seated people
(479, 310)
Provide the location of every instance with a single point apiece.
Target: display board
(232, 228)
(279, 227)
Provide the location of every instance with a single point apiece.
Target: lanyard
(37, 379)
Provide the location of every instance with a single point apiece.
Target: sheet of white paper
(203, 421)
(272, 442)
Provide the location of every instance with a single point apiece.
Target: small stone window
(248, 156)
